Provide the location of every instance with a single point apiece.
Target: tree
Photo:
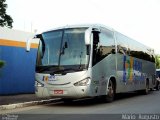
(2, 63)
(5, 20)
(157, 58)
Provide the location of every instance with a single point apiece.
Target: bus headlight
(38, 84)
(83, 82)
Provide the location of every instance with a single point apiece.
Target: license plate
(57, 92)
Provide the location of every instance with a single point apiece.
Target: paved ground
(124, 103)
(126, 106)
(21, 98)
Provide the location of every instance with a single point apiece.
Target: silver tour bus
(91, 61)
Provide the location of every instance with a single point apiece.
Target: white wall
(15, 35)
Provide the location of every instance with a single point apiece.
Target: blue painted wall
(17, 76)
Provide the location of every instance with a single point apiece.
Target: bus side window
(103, 45)
(128, 52)
(95, 47)
(122, 50)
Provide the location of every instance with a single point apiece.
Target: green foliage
(5, 20)
(2, 63)
(157, 58)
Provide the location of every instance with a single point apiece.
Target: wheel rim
(110, 90)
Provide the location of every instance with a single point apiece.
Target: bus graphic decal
(130, 68)
(127, 69)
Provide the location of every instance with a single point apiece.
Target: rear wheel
(146, 90)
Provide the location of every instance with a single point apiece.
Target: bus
(85, 61)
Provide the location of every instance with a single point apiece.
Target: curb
(26, 104)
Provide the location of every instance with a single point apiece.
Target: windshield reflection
(62, 49)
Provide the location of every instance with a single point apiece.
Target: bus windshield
(62, 49)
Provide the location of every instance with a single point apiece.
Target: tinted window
(133, 48)
(104, 46)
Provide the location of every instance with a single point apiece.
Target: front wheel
(110, 92)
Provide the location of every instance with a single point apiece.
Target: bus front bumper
(63, 92)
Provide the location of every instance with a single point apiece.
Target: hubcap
(110, 90)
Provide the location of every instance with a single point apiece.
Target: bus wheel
(146, 90)
(110, 92)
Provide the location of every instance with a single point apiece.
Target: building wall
(17, 76)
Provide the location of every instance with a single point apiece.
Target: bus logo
(45, 78)
(49, 78)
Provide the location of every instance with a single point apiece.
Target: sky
(137, 19)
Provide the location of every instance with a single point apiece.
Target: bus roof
(148, 49)
(82, 25)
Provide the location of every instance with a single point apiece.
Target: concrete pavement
(22, 100)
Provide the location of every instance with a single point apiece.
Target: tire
(110, 92)
(146, 90)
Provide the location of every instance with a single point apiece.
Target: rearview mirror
(28, 45)
(88, 37)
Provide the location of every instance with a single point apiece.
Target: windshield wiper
(63, 48)
(80, 57)
(63, 71)
(45, 68)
